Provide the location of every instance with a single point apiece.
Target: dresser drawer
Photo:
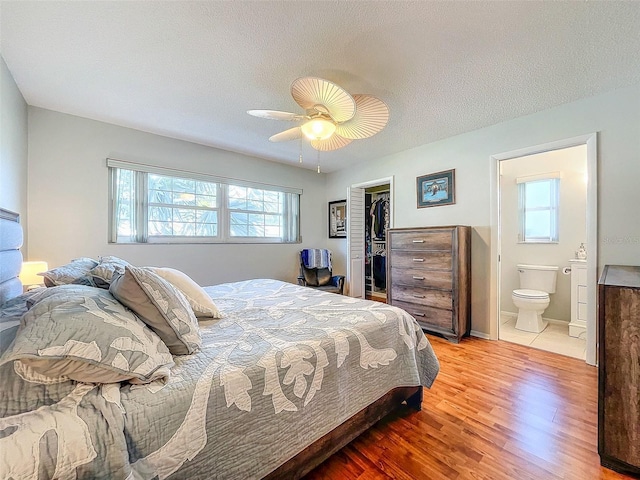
(421, 259)
(432, 240)
(422, 296)
(417, 277)
(428, 316)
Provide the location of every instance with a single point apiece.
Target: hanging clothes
(379, 213)
(380, 271)
(377, 223)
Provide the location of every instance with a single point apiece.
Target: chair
(316, 271)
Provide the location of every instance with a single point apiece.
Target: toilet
(532, 298)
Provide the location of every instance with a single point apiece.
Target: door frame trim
(364, 185)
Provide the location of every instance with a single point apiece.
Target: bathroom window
(538, 210)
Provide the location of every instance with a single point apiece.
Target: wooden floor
(376, 298)
(496, 411)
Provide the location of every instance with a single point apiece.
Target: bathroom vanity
(618, 367)
(578, 325)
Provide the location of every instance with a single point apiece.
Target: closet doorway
(369, 216)
(376, 224)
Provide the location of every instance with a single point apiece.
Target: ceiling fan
(333, 118)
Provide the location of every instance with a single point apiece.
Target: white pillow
(200, 302)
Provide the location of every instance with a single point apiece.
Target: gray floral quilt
(283, 367)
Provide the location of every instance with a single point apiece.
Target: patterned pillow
(84, 334)
(69, 273)
(102, 273)
(41, 294)
(161, 306)
(201, 303)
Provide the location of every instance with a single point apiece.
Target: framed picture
(338, 219)
(436, 189)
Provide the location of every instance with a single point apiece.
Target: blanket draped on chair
(316, 258)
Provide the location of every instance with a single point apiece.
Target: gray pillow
(72, 272)
(102, 273)
(324, 276)
(161, 306)
(84, 334)
(310, 276)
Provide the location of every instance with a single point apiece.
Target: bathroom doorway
(545, 217)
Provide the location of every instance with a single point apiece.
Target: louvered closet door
(355, 242)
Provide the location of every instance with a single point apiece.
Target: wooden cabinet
(429, 276)
(619, 368)
(578, 324)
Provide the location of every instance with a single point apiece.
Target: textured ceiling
(191, 70)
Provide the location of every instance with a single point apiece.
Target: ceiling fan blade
(311, 91)
(291, 134)
(334, 142)
(275, 115)
(372, 115)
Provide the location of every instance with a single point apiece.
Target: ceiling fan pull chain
(300, 158)
(318, 160)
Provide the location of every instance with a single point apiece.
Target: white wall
(13, 147)
(68, 199)
(614, 115)
(572, 165)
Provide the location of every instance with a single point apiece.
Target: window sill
(538, 242)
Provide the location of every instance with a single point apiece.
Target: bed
(284, 378)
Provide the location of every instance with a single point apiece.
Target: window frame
(140, 212)
(553, 208)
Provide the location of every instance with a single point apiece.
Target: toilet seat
(531, 294)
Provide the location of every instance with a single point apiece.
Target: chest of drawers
(429, 276)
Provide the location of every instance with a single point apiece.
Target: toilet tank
(538, 277)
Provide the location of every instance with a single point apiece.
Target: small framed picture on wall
(338, 219)
(436, 189)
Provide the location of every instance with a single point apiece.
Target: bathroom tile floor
(555, 338)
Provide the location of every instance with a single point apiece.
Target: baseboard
(550, 320)
(475, 333)
(556, 321)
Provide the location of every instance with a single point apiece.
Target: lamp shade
(29, 273)
(318, 129)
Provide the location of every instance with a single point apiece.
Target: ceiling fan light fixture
(318, 129)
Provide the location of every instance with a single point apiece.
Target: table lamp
(29, 274)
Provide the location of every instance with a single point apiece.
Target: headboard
(10, 255)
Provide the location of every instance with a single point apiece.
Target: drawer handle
(418, 259)
(419, 314)
(418, 278)
(418, 241)
(419, 296)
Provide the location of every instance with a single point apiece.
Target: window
(159, 205)
(538, 209)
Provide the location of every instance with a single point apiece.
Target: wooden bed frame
(323, 448)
